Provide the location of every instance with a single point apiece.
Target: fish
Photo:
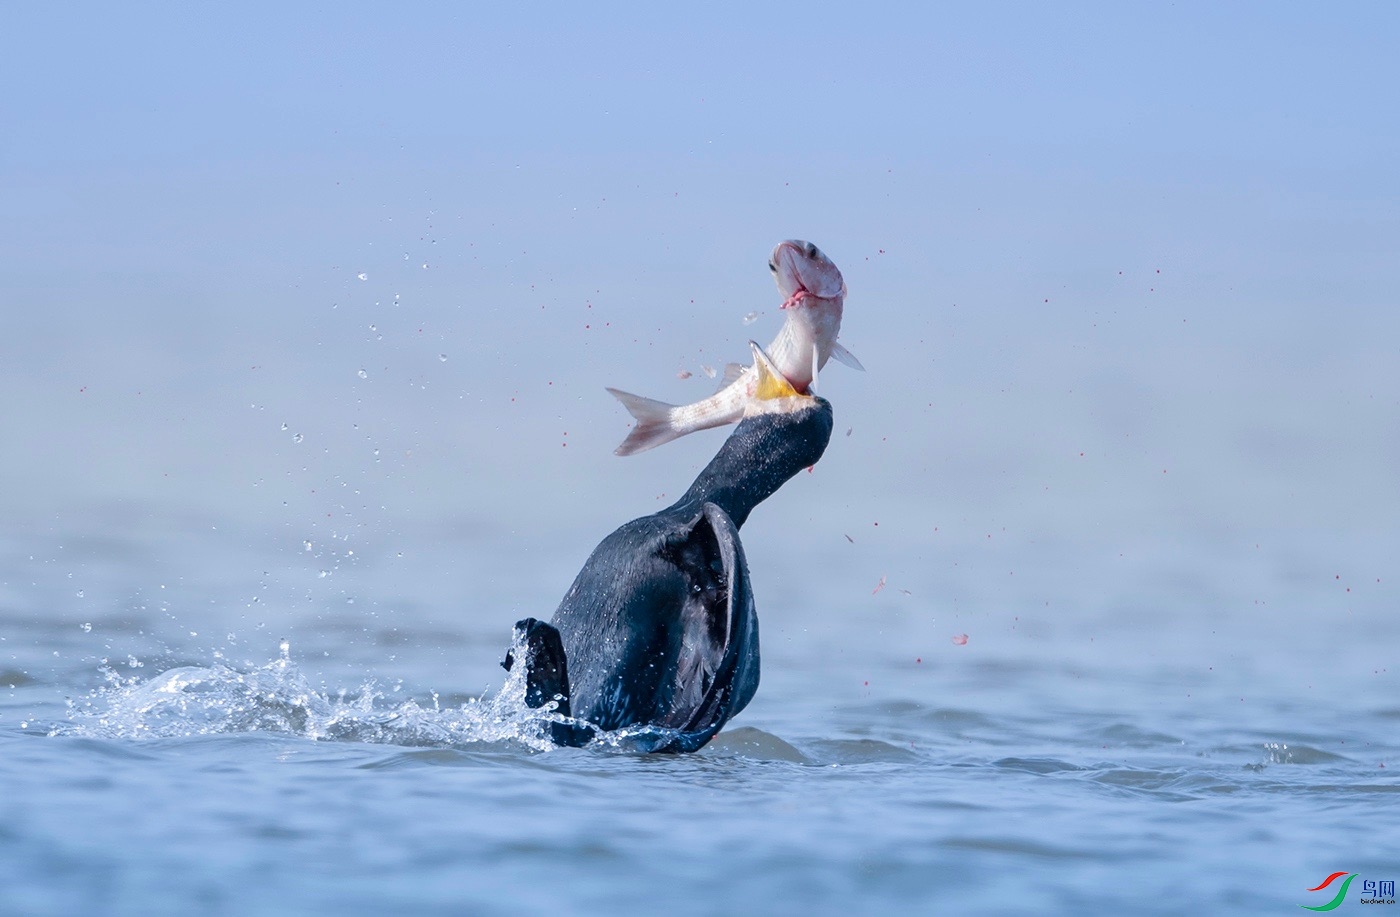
(814, 295)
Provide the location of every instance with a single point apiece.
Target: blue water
(1147, 741)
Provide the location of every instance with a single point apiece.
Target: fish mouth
(802, 271)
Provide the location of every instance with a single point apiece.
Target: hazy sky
(1117, 272)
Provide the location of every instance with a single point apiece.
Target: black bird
(659, 627)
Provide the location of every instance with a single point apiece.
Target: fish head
(800, 269)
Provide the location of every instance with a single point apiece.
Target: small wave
(276, 698)
(1285, 753)
(756, 745)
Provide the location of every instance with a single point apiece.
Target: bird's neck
(760, 455)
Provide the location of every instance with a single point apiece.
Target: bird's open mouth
(773, 393)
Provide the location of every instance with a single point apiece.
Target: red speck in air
(960, 639)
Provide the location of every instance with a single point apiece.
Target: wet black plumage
(659, 627)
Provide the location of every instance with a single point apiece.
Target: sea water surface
(1133, 737)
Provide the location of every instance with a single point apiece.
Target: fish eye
(773, 266)
(811, 250)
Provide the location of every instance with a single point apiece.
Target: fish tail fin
(653, 427)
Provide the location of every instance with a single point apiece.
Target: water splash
(277, 698)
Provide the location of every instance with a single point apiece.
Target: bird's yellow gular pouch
(772, 392)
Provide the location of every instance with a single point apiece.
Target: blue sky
(1118, 272)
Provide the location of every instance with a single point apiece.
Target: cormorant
(659, 628)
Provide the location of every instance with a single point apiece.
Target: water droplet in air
(298, 438)
(87, 628)
(306, 545)
(284, 428)
(707, 370)
(323, 574)
(362, 374)
(362, 276)
(80, 593)
(442, 358)
(750, 318)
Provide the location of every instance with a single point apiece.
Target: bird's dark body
(659, 627)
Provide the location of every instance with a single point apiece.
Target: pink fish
(814, 294)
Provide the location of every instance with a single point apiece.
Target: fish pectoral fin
(842, 355)
(654, 426)
(732, 371)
